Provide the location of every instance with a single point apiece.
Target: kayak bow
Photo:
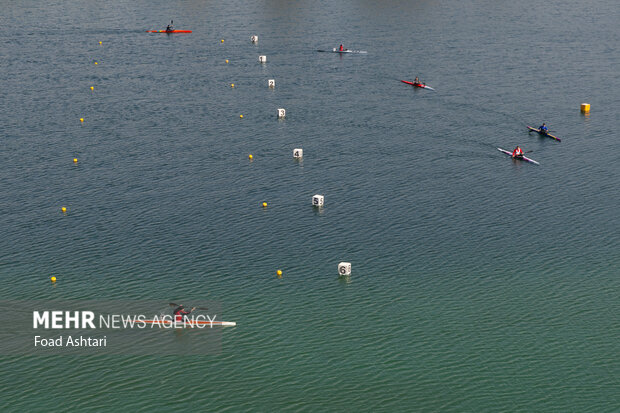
(420, 85)
(522, 158)
(544, 133)
(168, 31)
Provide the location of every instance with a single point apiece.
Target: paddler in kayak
(416, 81)
(342, 49)
(180, 313)
(517, 153)
(169, 28)
(543, 129)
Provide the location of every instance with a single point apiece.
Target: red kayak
(168, 31)
(420, 85)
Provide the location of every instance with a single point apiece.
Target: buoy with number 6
(344, 268)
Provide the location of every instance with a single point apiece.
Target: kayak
(202, 323)
(420, 85)
(523, 158)
(168, 31)
(334, 50)
(544, 133)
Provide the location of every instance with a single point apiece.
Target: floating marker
(92, 88)
(226, 60)
(232, 85)
(262, 59)
(100, 43)
(74, 160)
(241, 116)
(585, 107)
(279, 272)
(264, 204)
(53, 279)
(63, 209)
(254, 39)
(250, 157)
(81, 119)
(298, 153)
(318, 200)
(281, 113)
(222, 41)
(344, 268)
(271, 83)
(96, 63)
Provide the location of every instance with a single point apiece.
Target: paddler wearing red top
(341, 48)
(180, 312)
(517, 153)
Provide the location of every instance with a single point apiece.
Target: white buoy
(271, 83)
(298, 153)
(344, 268)
(254, 39)
(318, 200)
(262, 59)
(281, 113)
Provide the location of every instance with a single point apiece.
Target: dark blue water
(479, 283)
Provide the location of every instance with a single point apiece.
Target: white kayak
(205, 323)
(522, 158)
(334, 50)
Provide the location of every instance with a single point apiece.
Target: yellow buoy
(74, 160)
(63, 209)
(222, 40)
(279, 272)
(232, 85)
(53, 279)
(81, 119)
(226, 60)
(240, 116)
(92, 88)
(100, 43)
(96, 63)
(250, 157)
(264, 204)
(585, 107)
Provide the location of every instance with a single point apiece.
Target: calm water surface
(479, 283)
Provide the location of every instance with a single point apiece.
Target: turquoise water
(478, 283)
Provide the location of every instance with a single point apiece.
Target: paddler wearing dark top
(169, 28)
(416, 80)
(180, 312)
(543, 128)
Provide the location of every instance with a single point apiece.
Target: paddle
(197, 308)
